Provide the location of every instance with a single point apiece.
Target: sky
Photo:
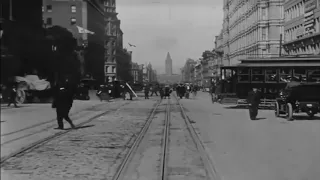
(184, 28)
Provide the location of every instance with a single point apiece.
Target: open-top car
(298, 97)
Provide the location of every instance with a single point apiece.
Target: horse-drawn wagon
(30, 87)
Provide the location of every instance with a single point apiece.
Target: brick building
(302, 27)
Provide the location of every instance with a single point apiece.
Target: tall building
(187, 70)
(302, 27)
(86, 14)
(136, 71)
(23, 12)
(19, 20)
(112, 27)
(251, 29)
(168, 64)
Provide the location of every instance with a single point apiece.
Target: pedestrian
(253, 102)
(154, 90)
(194, 90)
(63, 100)
(213, 93)
(13, 95)
(182, 91)
(146, 92)
(178, 90)
(161, 91)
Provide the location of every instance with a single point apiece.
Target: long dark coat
(63, 96)
(254, 98)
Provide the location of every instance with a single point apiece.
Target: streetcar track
(209, 164)
(32, 133)
(46, 122)
(164, 143)
(136, 143)
(54, 136)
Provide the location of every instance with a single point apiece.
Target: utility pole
(280, 49)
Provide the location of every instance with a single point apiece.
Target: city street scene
(160, 90)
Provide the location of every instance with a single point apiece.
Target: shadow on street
(243, 107)
(81, 127)
(302, 118)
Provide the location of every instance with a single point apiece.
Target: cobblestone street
(91, 152)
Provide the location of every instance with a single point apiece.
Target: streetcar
(269, 75)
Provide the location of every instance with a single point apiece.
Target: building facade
(136, 71)
(19, 20)
(111, 33)
(302, 27)
(187, 72)
(86, 14)
(251, 29)
(124, 64)
(168, 64)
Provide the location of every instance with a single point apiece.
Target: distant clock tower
(168, 64)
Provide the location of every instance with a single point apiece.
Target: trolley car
(270, 75)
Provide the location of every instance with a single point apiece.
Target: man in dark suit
(253, 101)
(63, 100)
(13, 95)
(146, 91)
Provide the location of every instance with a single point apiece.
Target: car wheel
(289, 112)
(277, 109)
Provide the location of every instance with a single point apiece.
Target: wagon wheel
(311, 115)
(277, 109)
(21, 96)
(289, 112)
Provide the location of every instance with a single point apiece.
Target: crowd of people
(65, 92)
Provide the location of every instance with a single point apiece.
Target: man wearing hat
(253, 101)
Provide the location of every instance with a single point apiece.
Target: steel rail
(165, 142)
(129, 156)
(54, 136)
(46, 122)
(208, 163)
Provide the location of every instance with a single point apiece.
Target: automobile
(296, 98)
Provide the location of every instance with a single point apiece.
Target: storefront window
(257, 75)
(271, 75)
(243, 75)
(300, 74)
(314, 75)
(285, 74)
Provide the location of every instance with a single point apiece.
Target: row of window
(111, 29)
(299, 30)
(49, 21)
(294, 11)
(49, 8)
(109, 3)
(273, 75)
(249, 39)
(309, 49)
(110, 69)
